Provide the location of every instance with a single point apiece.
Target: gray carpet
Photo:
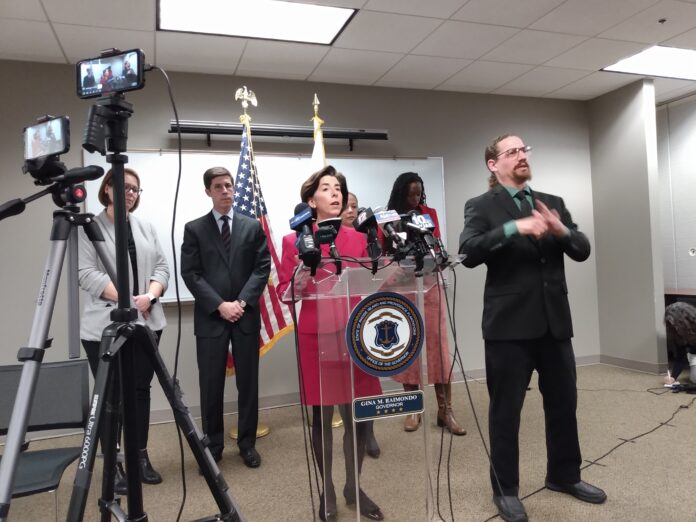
(635, 442)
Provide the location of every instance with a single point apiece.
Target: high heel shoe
(328, 513)
(368, 508)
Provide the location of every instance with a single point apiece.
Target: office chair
(61, 401)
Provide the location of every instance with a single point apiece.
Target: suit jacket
(526, 293)
(152, 266)
(213, 275)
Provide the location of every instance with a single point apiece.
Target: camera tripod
(107, 119)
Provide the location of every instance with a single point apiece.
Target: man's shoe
(251, 457)
(510, 508)
(581, 490)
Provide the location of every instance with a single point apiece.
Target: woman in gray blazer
(149, 276)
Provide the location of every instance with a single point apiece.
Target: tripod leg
(31, 357)
(218, 487)
(110, 343)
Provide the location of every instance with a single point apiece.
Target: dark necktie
(225, 232)
(525, 207)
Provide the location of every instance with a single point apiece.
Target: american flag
(276, 320)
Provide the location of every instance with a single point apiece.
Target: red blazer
(348, 243)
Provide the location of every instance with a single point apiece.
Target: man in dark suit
(225, 264)
(522, 236)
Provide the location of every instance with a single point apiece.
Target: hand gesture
(553, 220)
(534, 225)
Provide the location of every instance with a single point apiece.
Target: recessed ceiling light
(269, 19)
(668, 62)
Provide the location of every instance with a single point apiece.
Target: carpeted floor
(635, 437)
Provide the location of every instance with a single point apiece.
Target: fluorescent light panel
(269, 19)
(668, 62)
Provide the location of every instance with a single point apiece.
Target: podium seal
(384, 334)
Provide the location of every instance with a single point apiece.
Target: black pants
(143, 377)
(509, 366)
(211, 353)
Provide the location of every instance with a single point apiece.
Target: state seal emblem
(385, 334)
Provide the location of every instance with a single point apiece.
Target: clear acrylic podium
(400, 496)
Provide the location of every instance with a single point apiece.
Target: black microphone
(386, 218)
(326, 234)
(366, 222)
(307, 249)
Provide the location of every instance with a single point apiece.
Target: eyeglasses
(513, 153)
(133, 190)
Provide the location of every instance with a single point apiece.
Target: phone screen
(110, 74)
(47, 138)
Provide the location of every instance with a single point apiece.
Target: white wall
(421, 123)
(625, 191)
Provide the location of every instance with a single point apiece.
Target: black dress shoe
(372, 448)
(251, 457)
(368, 508)
(510, 508)
(580, 490)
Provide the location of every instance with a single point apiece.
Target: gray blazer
(152, 266)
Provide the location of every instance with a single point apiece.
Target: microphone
(423, 225)
(326, 234)
(366, 222)
(386, 218)
(301, 223)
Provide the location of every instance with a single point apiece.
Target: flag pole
(246, 96)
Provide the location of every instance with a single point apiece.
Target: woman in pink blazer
(326, 193)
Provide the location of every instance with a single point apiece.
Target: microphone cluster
(411, 234)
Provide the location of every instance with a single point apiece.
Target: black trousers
(143, 377)
(211, 353)
(509, 366)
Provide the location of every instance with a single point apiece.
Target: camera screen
(47, 138)
(105, 75)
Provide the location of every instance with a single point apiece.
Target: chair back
(61, 398)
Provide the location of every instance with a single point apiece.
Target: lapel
(214, 232)
(502, 198)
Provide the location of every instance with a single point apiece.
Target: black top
(133, 260)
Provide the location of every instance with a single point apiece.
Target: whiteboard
(280, 176)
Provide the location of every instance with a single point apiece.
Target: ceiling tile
(687, 90)
(22, 10)
(285, 60)
(463, 40)
(354, 67)
(439, 9)
(505, 12)
(595, 53)
(483, 76)
(353, 4)
(644, 26)
(372, 31)
(198, 53)
(28, 40)
(80, 42)
(422, 72)
(589, 17)
(593, 85)
(540, 81)
(533, 47)
(123, 14)
(665, 85)
(686, 40)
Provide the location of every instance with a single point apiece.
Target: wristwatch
(151, 297)
(242, 303)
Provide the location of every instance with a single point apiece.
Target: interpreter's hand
(231, 311)
(553, 220)
(534, 225)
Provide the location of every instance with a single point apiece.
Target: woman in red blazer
(326, 193)
(408, 193)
